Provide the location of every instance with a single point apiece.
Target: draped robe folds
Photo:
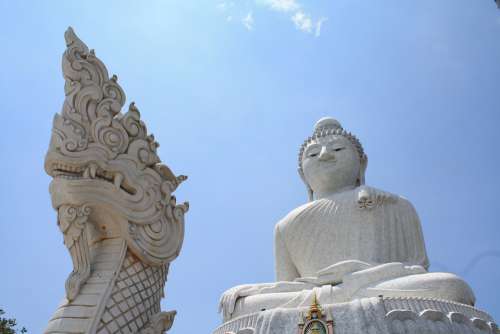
(339, 250)
(330, 230)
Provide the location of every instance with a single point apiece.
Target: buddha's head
(331, 159)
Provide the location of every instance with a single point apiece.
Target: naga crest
(106, 171)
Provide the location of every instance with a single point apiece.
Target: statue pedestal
(372, 316)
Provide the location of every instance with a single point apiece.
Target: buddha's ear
(310, 193)
(362, 170)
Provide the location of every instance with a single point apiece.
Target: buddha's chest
(333, 232)
(340, 219)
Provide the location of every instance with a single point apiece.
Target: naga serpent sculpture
(116, 211)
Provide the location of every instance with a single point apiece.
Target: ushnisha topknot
(328, 126)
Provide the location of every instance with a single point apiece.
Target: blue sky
(230, 90)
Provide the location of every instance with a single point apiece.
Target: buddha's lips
(328, 162)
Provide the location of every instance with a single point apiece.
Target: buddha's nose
(326, 154)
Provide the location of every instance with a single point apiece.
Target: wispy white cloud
(225, 5)
(281, 5)
(302, 21)
(248, 21)
(319, 23)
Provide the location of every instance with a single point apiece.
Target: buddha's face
(331, 163)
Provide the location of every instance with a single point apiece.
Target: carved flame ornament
(116, 211)
(315, 322)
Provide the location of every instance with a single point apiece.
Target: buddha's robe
(331, 230)
(343, 248)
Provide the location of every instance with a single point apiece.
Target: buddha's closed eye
(313, 151)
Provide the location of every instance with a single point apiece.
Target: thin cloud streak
(223, 6)
(248, 21)
(301, 19)
(282, 5)
(318, 26)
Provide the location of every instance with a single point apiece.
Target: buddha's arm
(421, 258)
(409, 236)
(284, 266)
(286, 273)
(229, 298)
(401, 226)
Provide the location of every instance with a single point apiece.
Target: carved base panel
(373, 316)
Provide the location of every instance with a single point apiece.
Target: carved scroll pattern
(160, 242)
(90, 116)
(105, 159)
(92, 100)
(72, 221)
(92, 137)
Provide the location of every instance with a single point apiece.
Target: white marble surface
(349, 241)
(119, 219)
(374, 316)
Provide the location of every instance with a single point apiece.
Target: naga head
(105, 160)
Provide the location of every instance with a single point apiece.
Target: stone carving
(159, 322)
(410, 321)
(315, 322)
(119, 219)
(406, 321)
(350, 242)
(72, 222)
(376, 315)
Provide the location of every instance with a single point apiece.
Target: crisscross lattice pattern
(135, 297)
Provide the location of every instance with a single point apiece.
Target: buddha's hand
(228, 299)
(335, 273)
(380, 273)
(369, 197)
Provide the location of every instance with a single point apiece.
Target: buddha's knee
(452, 287)
(436, 285)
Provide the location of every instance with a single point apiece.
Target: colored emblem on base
(315, 322)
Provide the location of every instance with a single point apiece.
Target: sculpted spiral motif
(68, 216)
(161, 241)
(92, 100)
(111, 134)
(133, 124)
(104, 160)
(92, 139)
(108, 106)
(75, 138)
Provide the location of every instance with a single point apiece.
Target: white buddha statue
(349, 241)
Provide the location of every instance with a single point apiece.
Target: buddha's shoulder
(297, 212)
(364, 198)
(368, 197)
